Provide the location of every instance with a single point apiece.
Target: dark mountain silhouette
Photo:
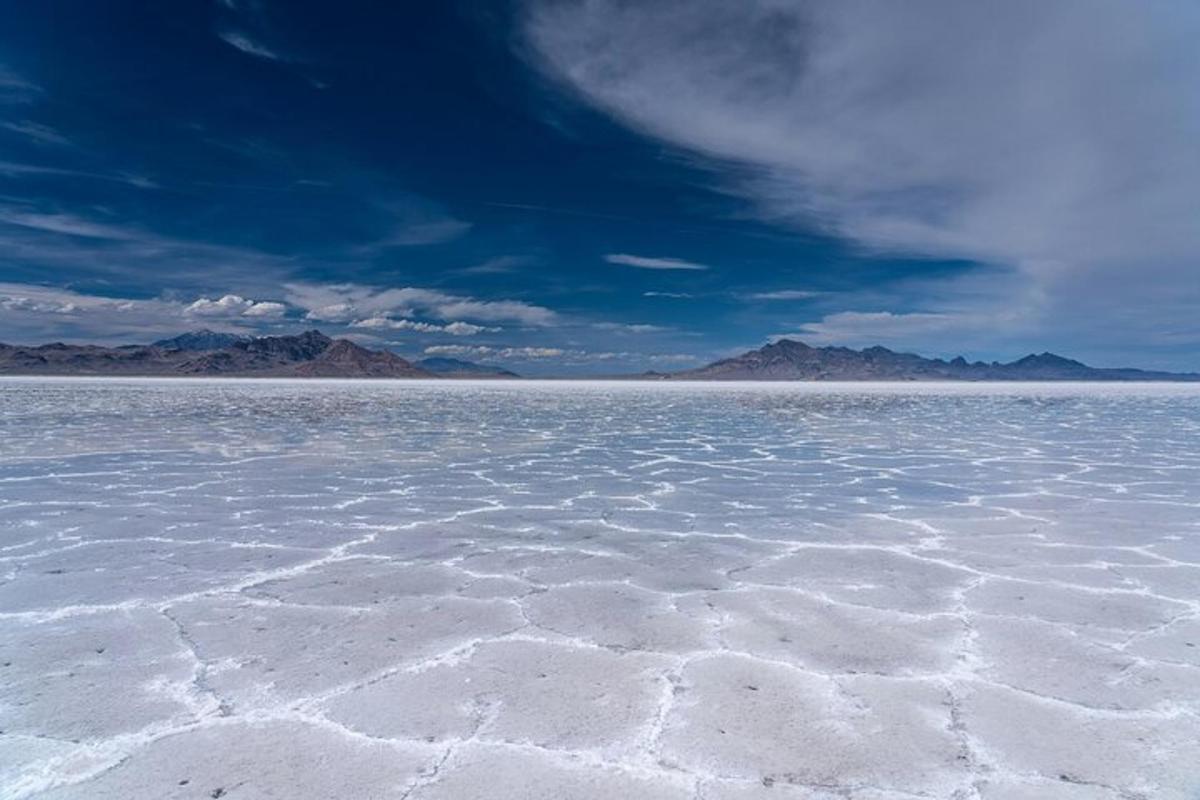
(790, 360)
(309, 354)
(264, 354)
(457, 368)
(203, 339)
(344, 359)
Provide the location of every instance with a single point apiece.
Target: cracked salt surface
(251, 589)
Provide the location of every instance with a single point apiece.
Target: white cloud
(496, 311)
(335, 312)
(859, 327)
(1057, 139)
(348, 302)
(402, 219)
(784, 294)
(458, 328)
(466, 329)
(950, 332)
(436, 231)
(672, 295)
(483, 351)
(244, 43)
(645, 262)
(41, 134)
(16, 89)
(232, 305)
(265, 309)
(109, 249)
(42, 313)
(67, 224)
(14, 168)
(384, 323)
(497, 266)
(228, 305)
(564, 356)
(637, 327)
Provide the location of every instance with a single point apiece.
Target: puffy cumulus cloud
(232, 305)
(458, 328)
(347, 302)
(466, 329)
(647, 262)
(18, 303)
(265, 309)
(1055, 139)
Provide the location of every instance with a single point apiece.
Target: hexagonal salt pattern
(450, 591)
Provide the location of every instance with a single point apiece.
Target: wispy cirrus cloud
(628, 327)
(647, 262)
(500, 265)
(105, 247)
(12, 168)
(403, 220)
(15, 88)
(413, 233)
(783, 294)
(36, 132)
(70, 225)
(251, 47)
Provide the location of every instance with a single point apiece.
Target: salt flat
(419, 590)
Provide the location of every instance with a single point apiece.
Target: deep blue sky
(593, 186)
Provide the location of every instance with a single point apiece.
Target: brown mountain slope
(790, 360)
(309, 354)
(345, 359)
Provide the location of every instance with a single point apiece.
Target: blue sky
(592, 186)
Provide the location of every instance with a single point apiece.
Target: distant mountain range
(307, 355)
(314, 355)
(789, 360)
(203, 339)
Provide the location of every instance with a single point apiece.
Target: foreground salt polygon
(463, 590)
